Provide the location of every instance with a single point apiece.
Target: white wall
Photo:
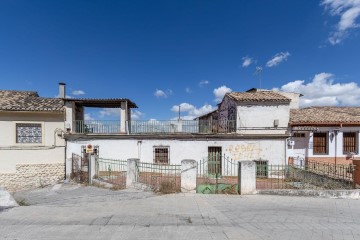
(12, 153)
(262, 116)
(272, 150)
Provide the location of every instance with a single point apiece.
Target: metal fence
(216, 174)
(111, 171)
(79, 171)
(312, 175)
(97, 126)
(159, 177)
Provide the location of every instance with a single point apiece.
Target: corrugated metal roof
(11, 100)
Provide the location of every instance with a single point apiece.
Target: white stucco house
(32, 149)
(247, 126)
(324, 134)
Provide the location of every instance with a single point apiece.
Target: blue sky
(164, 53)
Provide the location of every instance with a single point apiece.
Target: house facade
(246, 126)
(40, 136)
(32, 149)
(324, 134)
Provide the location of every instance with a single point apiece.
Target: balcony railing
(156, 126)
(96, 126)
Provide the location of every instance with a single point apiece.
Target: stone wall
(28, 176)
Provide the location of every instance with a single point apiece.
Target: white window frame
(30, 144)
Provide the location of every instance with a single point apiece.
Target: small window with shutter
(320, 143)
(349, 142)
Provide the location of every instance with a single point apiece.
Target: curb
(341, 194)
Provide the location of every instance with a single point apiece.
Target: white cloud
(78, 92)
(246, 62)
(349, 11)
(136, 114)
(88, 116)
(277, 59)
(109, 112)
(187, 90)
(162, 94)
(192, 111)
(220, 92)
(203, 83)
(322, 91)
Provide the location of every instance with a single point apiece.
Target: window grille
(349, 142)
(28, 133)
(320, 143)
(298, 135)
(161, 155)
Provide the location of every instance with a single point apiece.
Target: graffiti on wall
(244, 151)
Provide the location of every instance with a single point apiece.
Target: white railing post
(188, 176)
(179, 127)
(132, 172)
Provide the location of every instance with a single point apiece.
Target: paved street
(75, 212)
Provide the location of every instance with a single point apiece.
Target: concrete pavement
(74, 212)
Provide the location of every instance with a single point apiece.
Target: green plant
(168, 187)
(22, 202)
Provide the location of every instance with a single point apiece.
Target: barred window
(349, 142)
(161, 155)
(299, 135)
(320, 143)
(28, 133)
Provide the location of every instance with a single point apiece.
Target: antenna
(258, 72)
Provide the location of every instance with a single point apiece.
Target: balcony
(156, 126)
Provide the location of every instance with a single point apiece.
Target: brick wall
(28, 176)
(339, 160)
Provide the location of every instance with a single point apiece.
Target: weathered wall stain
(246, 151)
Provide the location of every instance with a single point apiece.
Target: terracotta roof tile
(325, 115)
(11, 100)
(261, 96)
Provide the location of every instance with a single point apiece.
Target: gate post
(247, 177)
(92, 168)
(188, 175)
(132, 172)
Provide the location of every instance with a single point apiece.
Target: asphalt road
(76, 212)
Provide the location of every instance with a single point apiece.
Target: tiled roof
(261, 96)
(11, 100)
(325, 115)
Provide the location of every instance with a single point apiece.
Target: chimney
(62, 93)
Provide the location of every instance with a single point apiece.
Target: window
(161, 155)
(320, 143)
(28, 133)
(349, 142)
(298, 135)
(261, 168)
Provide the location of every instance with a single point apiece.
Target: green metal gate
(217, 174)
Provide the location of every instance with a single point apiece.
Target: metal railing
(159, 177)
(112, 171)
(312, 175)
(217, 173)
(182, 126)
(155, 126)
(97, 126)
